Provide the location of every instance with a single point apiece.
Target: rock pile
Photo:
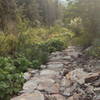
(68, 75)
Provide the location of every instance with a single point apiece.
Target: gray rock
(58, 58)
(57, 53)
(27, 76)
(67, 92)
(96, 83)
(92, 77)
(97, 97)
(33, 71)
(75, 97)
(97, 90)
(77, 75)
(55, 66)
(38, 83)
(43, 66)
(32, 96)
(29, 86)
(65, 82)
(74, 54)
(67, 58)
(49, 87)
(49, 73)
(58, 97)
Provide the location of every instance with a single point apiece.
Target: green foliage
(31, 42)
(36, 64)
(10, 81)
(55, 45)
(82, 40)
(22, 63)
(7, 44)
(95, 49)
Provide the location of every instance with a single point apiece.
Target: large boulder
(49, 87)
(92, 77)
(75, 97)
(77, 75)
(38, 83)
(57, 97)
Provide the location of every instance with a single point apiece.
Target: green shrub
(10, 81)
(27, 42)
(55, 45)
(8, 44)
(83, 40)
(22, 64)
(94, 51)
(36, 64)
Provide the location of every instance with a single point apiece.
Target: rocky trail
(68, 75)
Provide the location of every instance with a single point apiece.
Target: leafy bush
(36, 64)
(94, 51)
(83, 40)
(23, 42)
(55, 45)
(8, 44)
(22, 63)
(10, 81)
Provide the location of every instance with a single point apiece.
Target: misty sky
(63, 0)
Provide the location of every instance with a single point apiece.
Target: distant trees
(28, 10)
(82, 16)
(7, 14)
(50, 11)
(88, 13)
(43, 12)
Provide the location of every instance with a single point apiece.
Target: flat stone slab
(49, 87)
(55, 66)
(74, 54)
(32, 96)
(58, 97)
(29, 86)
(37, 83)
(49, 73)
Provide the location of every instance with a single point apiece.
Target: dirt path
(68, 75)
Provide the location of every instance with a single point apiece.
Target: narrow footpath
(68, 75)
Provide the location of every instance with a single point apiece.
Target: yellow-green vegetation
(11, 80)
(24, 50)
(10, 44)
